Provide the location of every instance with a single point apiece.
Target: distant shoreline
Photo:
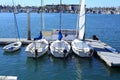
(56, 9)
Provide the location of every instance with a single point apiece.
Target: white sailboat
(60, 48)
(79, 46)
(15, 45)
(37, 48)
(40, 46)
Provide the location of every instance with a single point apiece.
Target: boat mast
(41, 15)
(29, 30)
(15, 20)
(59, 33)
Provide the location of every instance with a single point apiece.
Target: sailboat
(15, 45)
(39, 46)
(79, 46)
(60, 48)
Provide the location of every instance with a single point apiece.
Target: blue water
(106, 27)
(51, 21)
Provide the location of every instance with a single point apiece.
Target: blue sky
(89, 3)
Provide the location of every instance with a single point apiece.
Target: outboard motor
(36, 53)
(95, 37)
(65, 52)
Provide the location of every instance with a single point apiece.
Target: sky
(89, 3)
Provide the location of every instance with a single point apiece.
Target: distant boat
(12, 47)
(40, 46)
(15, 45)
(60, 48)
(79, 46)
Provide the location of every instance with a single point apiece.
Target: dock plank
(4, 41)
(8, 77)
(112, 59)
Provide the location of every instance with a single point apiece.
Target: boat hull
(81, 48)
(37, 48)
(60, 49)
(12, 47)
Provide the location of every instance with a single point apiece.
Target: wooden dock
(4, 41)
(8, 77)
(108, 54)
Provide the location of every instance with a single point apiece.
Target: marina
(73, 64)
(63, 46)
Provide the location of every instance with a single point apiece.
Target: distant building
(72, 8)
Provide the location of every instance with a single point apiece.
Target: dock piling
(29, 30)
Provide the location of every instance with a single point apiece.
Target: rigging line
(85, 24)
(41, 16)
(15, 20)
(78, 19)
(77, 27)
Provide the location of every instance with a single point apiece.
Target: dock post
(29, 30)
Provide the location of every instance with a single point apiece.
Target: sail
(82, 21)
(39, 37)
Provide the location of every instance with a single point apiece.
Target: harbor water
(106, 27)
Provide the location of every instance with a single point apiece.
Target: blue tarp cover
(39, 37)
(60, 35)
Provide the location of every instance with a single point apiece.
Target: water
(106, 27)
(51, 22)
